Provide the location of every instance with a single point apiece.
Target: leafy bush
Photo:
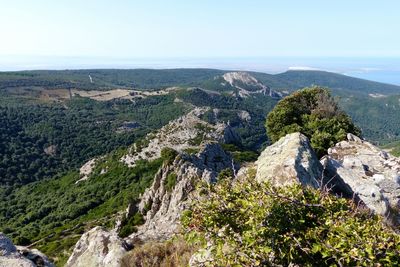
(168, 155)
(313, 112)
(251, 224)
(129, 225)
(170, 182)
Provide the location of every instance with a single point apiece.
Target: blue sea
(386, 70)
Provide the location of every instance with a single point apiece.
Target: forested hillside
(45, 136)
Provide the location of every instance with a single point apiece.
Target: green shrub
(170, 182)
(168, 154)
(129, 225)
(224, 174)
(251, 224)
(313, 112)
(192, 151)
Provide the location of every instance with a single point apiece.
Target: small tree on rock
(313, 112)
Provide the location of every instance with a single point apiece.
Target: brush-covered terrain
(53, 124)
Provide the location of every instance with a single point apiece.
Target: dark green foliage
(192, 151)
(252, 224)
(129, 225)
(59, 205)
(335, 81)
(78, 130)
(251, 132)
(171, 181)
(239, 154)
(106, 79)
(225, 174)
(313, 112)
(377, 117)
(168, 155)
(393, 148)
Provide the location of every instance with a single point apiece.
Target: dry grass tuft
(172, 253)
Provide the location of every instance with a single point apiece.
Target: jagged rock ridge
(200, 158)
(186, 132)
(353, 168)
(247, 84)
(163, 206)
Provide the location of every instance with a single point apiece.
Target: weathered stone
(162, 206)
(203, 257)
(98, 248)
(11, 255)
(361, 170)
(242, 80)
(186, 132)
(290, 160)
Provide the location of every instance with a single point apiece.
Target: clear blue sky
(202, 28)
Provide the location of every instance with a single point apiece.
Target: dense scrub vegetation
(59, 209)
(378, 117)
(43, 144)
(251, 224)
(251, 131)
(394, 148)
(37, 140)
(313, 112)
(106, 79)
(351, 85)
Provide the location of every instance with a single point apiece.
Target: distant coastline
(386, 70)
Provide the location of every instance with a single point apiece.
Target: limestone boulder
(288, 161)
(358, 169)
(98, 248)
(11, 255)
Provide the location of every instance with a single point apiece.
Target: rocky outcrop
(290, 160)
(358, 169)
(172, 189)
(86, 170)
(98, 248)
(247, 85)
(11, 255)
(186, 132)
(200, 158)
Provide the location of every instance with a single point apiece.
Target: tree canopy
(313, 112)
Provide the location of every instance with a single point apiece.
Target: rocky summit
(290, 160)
(361, 170)
(185, 133)
(352, 168)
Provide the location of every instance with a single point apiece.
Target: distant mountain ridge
(161, 78)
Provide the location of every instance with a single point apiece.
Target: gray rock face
(244, 79)
(98, 248)
(361, 170)
(288, 161)
(186, 132)
(200, 158)
(163, 206)
(11, 255)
